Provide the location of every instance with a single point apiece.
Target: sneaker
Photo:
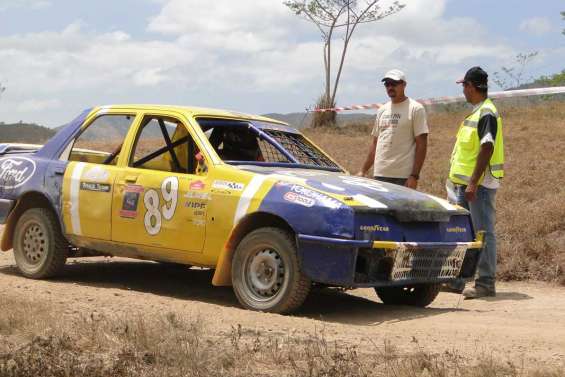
(478, 292)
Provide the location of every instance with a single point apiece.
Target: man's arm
(483, 159)
(421, 150)
(487, 129)
(421, 130)
(370, 158)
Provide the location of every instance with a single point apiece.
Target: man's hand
(471, 192)
(361, 174)
(411, 182)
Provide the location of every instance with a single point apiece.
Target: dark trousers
(396, 181)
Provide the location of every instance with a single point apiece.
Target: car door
(88, 181)
(160, 201)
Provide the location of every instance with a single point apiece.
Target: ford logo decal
(15, 171)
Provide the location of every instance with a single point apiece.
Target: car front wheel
(40, 249)
(414, 295)
(266, 273)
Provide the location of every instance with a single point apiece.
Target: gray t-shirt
(396, 127)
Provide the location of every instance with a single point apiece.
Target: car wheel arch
(251, 222)
(32, 199)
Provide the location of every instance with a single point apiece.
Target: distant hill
(25, 133)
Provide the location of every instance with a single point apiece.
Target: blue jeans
(483, 215)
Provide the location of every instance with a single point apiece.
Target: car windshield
(261, 143)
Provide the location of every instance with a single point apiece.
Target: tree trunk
(324, 119)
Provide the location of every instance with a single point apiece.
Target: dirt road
(525, 322)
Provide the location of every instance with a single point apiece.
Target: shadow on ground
(507, 296)
(332, 305)
(194, 284)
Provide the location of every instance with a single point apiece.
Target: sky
(59, 57)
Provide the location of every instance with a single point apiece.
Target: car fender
(32, 199)
(293, 207)
(250, 222)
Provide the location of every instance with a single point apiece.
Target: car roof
(196, 111)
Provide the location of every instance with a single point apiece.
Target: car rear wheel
(414, 295)
(40, 249)
(266, 273)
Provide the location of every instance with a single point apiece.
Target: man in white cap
(400, 136)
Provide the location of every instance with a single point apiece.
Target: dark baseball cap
(475, 76)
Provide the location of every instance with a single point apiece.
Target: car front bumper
(366, 263)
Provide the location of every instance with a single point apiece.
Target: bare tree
(514, 76)
(2, 89)
(332, 17)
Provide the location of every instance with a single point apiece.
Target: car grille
(411, 263)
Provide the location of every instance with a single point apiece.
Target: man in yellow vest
(477, 166)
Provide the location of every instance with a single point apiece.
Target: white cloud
(149, 77)
(30, 4)
(249, 56)
(537, 26)
(34, 105)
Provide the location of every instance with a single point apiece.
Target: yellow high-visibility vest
(467, 147)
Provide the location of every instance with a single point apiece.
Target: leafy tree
(514, 76)
(337, 18)
(557, 79)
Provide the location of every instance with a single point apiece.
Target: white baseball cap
(395, 74)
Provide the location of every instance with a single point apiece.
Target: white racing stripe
(369, 202)
(75, 190)
(444, 203)
(246, 197)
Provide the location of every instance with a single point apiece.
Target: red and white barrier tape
(453, 99)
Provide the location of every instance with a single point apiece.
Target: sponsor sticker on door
(197, 185)
(131, 201)
(228, 185)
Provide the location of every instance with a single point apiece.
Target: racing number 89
(154, 214)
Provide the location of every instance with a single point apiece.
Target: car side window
(101, 142)
(164, 144)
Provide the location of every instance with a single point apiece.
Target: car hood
(366, 195)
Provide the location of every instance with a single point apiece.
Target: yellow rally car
(245, 195)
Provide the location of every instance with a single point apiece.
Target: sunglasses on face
(392, 83)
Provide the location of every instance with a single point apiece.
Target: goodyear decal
(387, 228)
(374, 228)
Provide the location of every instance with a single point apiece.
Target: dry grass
(95, 345)
(531, 202)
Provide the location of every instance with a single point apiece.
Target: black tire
(414, 295)
(40, 249)
(266, 272)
